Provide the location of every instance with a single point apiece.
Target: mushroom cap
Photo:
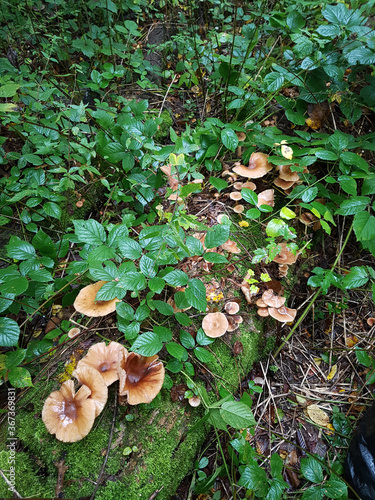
(307, 218)
(258, 167)
(285, 256)
(67, 414)
(286, 174)
(91, 378)
(283, 314)
(241, 136)
(234, 322)
(73, 332)
(85, 302)
(140, 378)
(194, 401)
(283, 184)
(266, 198)
(238, 209)
(249, 185)
(230, 246)
(370, 321)
(238, 185)
(235, 195)
(232, 307)
(273, 300)
(263, 311)
(283, 270)
(104, 358)
(215, 324)
(260, 303)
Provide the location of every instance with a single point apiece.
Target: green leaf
(229, 139)
(357, 277)
(156, 284)
(309, 194)
(183, 319)
(131, 330)
(41, 276)
(368, 186)
(190, 188)
(161, 307)
(218, 183)
(142, 312)
(250, 196)
(348, 184)
(335, 488)
(147, 344)
(202, 338)
(364, 226)
(363, 357)
(311, 470)
(196, 295)
(215, 258)
(339, 141)
(148, 266)
(100, 254)
(14, 285)
(9, 89)
(130, 249)
(313, 493)
(20, 377)
(109, 272)
(287, 214)
(186, 339)
(108, 291)
(9, 332)
(218, 235)
(338, 15)
(274, 81)
(276, 465)
(194, 245)
(174, 366)
(15, 358)
(354, 159)
(18, 249)
(125, 310)
(42, 242)
(353, 205)
(237, 415)
(176, 278)
(203, 355)
(326, 155)
(164, 334)
(116, 234)
(52, 209)
(254, 478)
(253, 213)
(133, 281)
(89, 231)
(177, 351)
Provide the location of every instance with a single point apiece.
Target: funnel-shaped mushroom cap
(67, 414)
(273, 300)
(140, 377)
(258, 167)
(215, 324)
(231, 247)
(286, 174)
(283, 314)
(266, 198)
(85, 302)
(285, 256)
(103, 358)
(91, 378)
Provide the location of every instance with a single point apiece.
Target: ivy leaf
(229, 139)
(147, 344)
(9, 332)
(89, 231)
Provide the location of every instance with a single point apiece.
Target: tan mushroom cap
(241, 136)
(260, 303)
(273, 300)
(307, 218)
(85, 302)
(232, 307)
(283, 270)
(73, 332)
(215, 324)
(140, 378)
(230, 246)
(263, 311)
(249, 185)
(238, 209)
(104, 359)
(91, 378)
(194, 401)
(258, 167)
(286, 174)
(285, 256)
(266, 198)
(69, 415)
(238, 185)
(234, 322)
(235, 195)
(370, 321)
(283, 184)
(283, 314)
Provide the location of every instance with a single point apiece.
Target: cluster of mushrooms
(70, 415)
(215, 324)
(272, 305)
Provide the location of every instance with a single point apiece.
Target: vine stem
(318, 292)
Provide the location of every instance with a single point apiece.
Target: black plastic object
(360, 462)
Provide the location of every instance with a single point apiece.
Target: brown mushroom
(249, 185)
(234, 322)
(215, 324)
(104, 359)
(238, 185)
(194, 401)
(241, 136)
(91, 378)
(69, 415)
(235, 195)
(266, 198)
(286, 174)
(283, 184)
(258, 166)
(140, 378)
(273, 300)
(87, 304)
(283, 314)
(238, 209)
(231, 247)
(260, 303)
(283, 270)
(232, 307)
(263, 311)
(285, 256)
(73, 332)
(370, 321)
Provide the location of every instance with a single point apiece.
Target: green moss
(163, 130)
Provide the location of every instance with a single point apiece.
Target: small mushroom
(194, 401)
(266, 198)
(249, 185)
(286, 174)
(285, 256)
(283, 270)
(234, 322)
(215, 324)
(73, 332)
(370, 321)
(104, 359)
(235, 195)
(91, 378)
(263, 311)
(258, 166)
(69, 415)
(283, 314)
(238, 185)
(140, 378)
(283, 184)
(241, 136)
(273, 300)
(260, 303)
(231, 247)
(232, 307)
(87, 304)
(238, 209)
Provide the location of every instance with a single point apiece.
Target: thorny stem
(317, 293)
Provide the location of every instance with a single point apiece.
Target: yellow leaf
(287, 152)
(317, 415)
(332, 373)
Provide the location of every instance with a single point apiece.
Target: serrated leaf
(194, 245)
(353, 206)
(19, 249)
(203, 355)
(148, 266)
(250, 196)
(229, 139)
(147, 344)
(177, 351)
(131, 330)
(176, 278)
(215, 258)
(89, 231)
(311, 470)
(125, 310)
(196, 295)
(41, 275)
(218, 183)
(364, 226)
(133, 281)
(14, 285)
(156, 284)
(357, 277)
(100, 254)
(326, 155)
(20, 377)
(186, 339)
(217, 236)
(183, 319)
(130, 249)
(238, 415)
(335, 488)
(164, 334)
(9, 332)
(52, 210)
(142, 312)
(162, 307)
